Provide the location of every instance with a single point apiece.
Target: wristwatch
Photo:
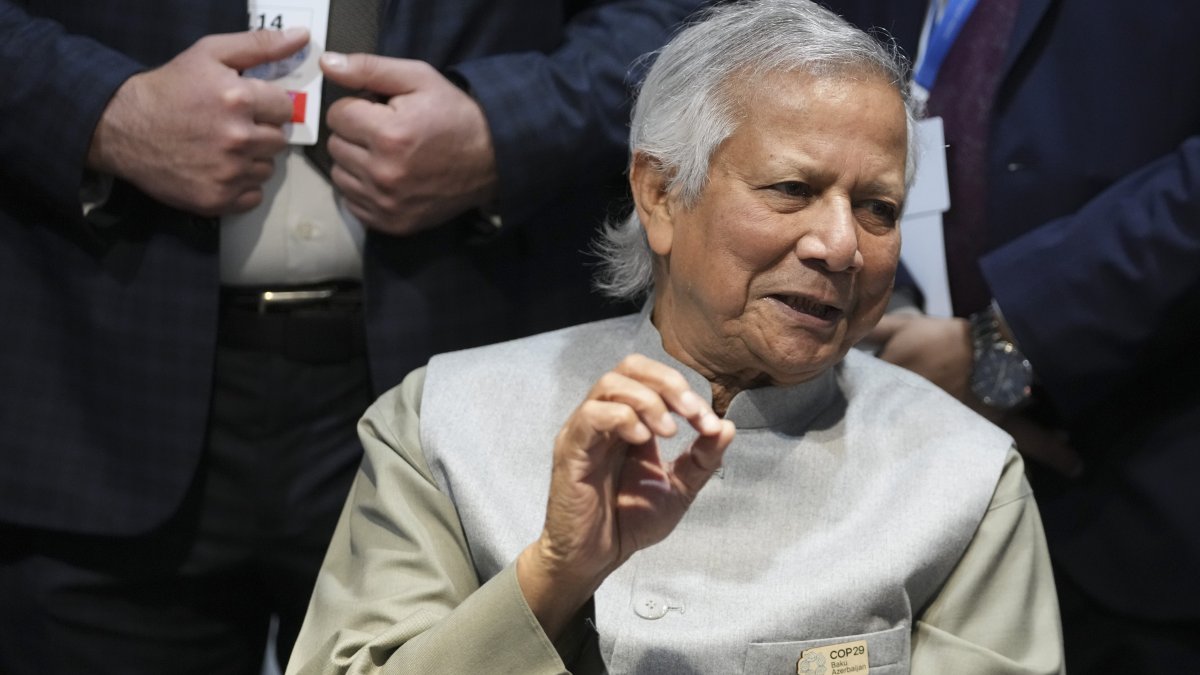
(1001, 377)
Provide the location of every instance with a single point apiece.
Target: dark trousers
(196, 595)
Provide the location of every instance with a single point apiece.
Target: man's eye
(793, 188)
(882, 210)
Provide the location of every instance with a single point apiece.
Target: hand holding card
(299, 73)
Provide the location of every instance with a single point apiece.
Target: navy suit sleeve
(554, 117)
(53, 89)
(1091, 296)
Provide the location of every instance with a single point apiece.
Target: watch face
(1002, 377)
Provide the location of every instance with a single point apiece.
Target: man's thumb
(386, 76)
(241, 51)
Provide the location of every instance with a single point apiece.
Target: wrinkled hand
(193, 133)
(611, 494)
(415, 161)
(940, 350)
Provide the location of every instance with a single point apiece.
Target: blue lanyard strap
(942, 28)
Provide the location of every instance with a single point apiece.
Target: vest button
(652, 608)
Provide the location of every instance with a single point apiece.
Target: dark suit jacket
(1093, 220)
(109, 323)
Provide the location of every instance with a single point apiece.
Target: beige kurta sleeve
(997, 614)
(397, 592)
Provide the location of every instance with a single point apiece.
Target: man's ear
(655, 205)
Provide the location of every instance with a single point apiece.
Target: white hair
(687, 105)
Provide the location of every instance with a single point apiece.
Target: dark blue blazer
(107, 324)
(1093, 222)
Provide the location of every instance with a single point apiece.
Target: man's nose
(830, 236)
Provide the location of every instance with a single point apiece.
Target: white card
(299, 74)
(922, 248)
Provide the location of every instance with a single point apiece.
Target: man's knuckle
(388, 176)
(608, 380)
(674, 380)
(394, 139)
(631, 362)
(237, 98)
(236, 137)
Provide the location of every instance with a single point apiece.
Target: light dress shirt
(300, 233)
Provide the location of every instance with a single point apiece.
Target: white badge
(299, 74)
(921, 243)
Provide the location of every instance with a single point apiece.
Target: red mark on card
(298, 102)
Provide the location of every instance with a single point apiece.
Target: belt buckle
(270, 299)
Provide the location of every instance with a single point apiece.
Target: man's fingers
(647, 403)
(355, 119)
(344, 177)
(260, 171)
(365, 215)
(271, 103)
(673, 388)
(382, 75)
(251, 48)
(247, 200)
(261, 143)
(358, 198)
(695, 466)
(607, 418)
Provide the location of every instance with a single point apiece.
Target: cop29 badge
(847, 658)
(811, 663)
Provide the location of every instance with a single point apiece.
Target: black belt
(321, 323)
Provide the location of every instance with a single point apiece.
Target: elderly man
(861, 518)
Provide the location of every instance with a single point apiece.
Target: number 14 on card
(300, 74)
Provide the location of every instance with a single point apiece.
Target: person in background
(859, 518)
(195, 314)
(1073, 245)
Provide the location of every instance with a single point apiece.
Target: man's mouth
(809, 306)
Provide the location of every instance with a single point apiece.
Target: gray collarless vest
(842, 506)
